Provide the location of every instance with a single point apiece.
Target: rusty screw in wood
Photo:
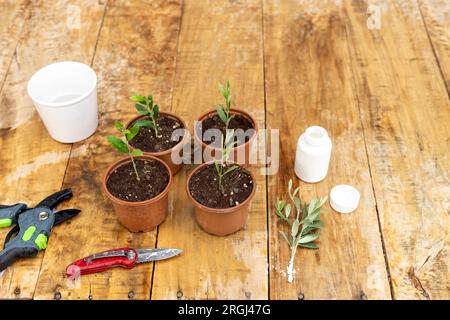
(179, 294)
(301, 296)
(57, 295)
(131, 294)
(17, 291)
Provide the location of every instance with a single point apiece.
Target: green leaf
(137, 153)
(280, 204)
(138, 98)
(118, 144)
(222, 89)
(141, 109)
(119, 125)
(221, 114)
(280, 214)
(296, 191)
(309, 245)
(219, 167)
(290, 186)
(287, 210)
(294, 229)
(230, 169)
(144, 123)
(133, 131)
(297, 204)
(285, 237)
(156, 111)
(308, 238)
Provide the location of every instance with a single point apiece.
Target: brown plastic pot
(166, 155)
(143, 215)
(210, 153)
(220, 222)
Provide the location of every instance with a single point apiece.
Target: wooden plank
(405, 113)
(13, 15)
(309, 82)
(136, 53)
(219, 40)
(32, 164)
(436, 16)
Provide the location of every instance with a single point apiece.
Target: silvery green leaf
(290, 186)
(308, 238)
(312, 206)
(297, 204)
(310, 245)
(322, 201)
(283, 234)
(287, 210)
(294, 229)
(280, 204)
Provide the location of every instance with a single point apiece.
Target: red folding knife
(124, 257)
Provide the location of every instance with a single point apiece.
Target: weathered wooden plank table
(376, 76)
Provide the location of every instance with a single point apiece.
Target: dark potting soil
(147, 141)
(204, 187)
(122, 182)
(237, 122)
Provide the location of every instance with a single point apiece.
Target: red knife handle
(99, 262)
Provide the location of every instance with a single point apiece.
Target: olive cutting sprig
(304, 223)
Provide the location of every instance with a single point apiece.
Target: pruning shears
(32, 226)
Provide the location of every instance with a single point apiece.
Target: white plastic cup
(65, 96)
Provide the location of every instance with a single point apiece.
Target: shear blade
(64, 215)
(147, 255)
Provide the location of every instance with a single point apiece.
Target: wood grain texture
(135, 54)
(13, 15)
(219, 40)
(309, 82)
(405, 113)
(32, 164)
(436, 16)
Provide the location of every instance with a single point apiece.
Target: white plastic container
(313, 155)
(65, 96)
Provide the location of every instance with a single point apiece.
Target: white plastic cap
(344, 198)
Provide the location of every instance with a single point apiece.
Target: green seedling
(145, 106)
(304, 223)
(221, 166)
(224, 113)
(123, 143)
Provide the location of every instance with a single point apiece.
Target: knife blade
(125, 258)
